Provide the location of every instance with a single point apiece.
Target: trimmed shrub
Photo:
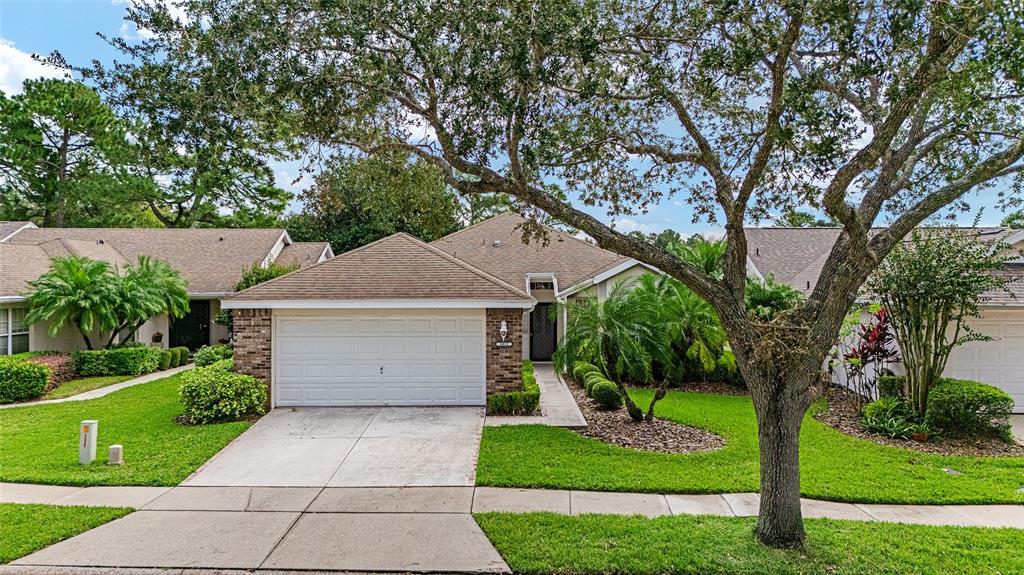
(590, 379)
(134, 360)
(216, 393)
(62, 367)
(522, 402)
(21, 380)
(175, 357)
(964, 408)
(580, 369)
(182, 354)
(165, 359)
(212, 353)
(891, 386)
(606, 395)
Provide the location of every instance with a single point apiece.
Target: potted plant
(157, 337)
(920, 433)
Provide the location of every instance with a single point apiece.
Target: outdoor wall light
(503, 330)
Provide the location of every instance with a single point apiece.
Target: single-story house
(796, 256)
(210, 259)
(403, 322)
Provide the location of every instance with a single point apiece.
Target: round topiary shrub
(165, 359)
(580, 370)
(209, 354)
(216, 393)
(606, 395)
(964, 408)
(21, 380)
(590, 379)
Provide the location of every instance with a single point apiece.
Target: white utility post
(87, 441)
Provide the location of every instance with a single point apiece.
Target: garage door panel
(999, 362)
(425, 360)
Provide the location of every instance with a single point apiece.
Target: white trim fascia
(209, 294)
(27, 226)
(275, 250)
(752, 269)
(325, 255)
(375, 304)
(605, 275)
(11, 298)
(554, 281)
(1014, 237)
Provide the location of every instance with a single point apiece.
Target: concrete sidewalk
(464, 500)
(558, 407)
(96, 393)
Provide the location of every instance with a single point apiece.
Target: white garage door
(999, 362)
(350, 357)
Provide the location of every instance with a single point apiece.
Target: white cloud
(129, 31)
(17, 66)
(627, 225)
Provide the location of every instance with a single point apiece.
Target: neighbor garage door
(999, 362)
(350, 357)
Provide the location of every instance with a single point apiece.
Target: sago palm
(147, 289)
(76, 291)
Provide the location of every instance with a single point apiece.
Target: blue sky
(70, 26)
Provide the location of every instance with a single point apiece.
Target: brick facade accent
(504, 364)
(251, 334)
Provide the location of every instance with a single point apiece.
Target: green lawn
(834, 466)
(548, 543)
(28, 528)
(40, 443)
(76, 386)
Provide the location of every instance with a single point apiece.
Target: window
(13, 331)
(542, 285)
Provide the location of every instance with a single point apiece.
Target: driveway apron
(325, 489)
(351, 447)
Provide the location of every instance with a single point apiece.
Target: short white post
(87, 441)
(115, 455)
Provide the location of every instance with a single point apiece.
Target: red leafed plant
(61, 368)
(875, 347)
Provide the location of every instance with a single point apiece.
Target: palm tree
(616, 334)
(704, 254)
(147, 289)
(78, 291)
(689, 328)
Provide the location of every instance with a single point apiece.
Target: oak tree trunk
(780, 522)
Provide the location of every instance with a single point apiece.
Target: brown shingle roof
(210, 259)
(396, 267)
(20, 264)
(796, 256)
(306, 253)
(8, 228)
(571, 259)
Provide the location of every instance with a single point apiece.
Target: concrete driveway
(351, 447)
(324, 489)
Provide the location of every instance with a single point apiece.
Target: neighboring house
(796, 256)
(403, 322)
(210, 259)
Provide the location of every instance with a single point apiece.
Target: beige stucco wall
(157, 324)
(217, 332)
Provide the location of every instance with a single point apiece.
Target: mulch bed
(660, 435)
(844, 415)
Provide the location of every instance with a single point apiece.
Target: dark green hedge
(209, 354)
(134, 360)
(216, 393)
(891, 386)
(21, 380)
(964, 408)
(524, 402)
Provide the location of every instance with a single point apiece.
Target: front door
(192, 330)
(543, 332)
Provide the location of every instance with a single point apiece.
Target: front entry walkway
(351, 447)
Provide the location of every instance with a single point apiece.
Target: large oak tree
(878, 111)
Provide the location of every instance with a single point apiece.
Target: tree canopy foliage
(931, 286)
(65, 158)
(355, 202)
(877, 110)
